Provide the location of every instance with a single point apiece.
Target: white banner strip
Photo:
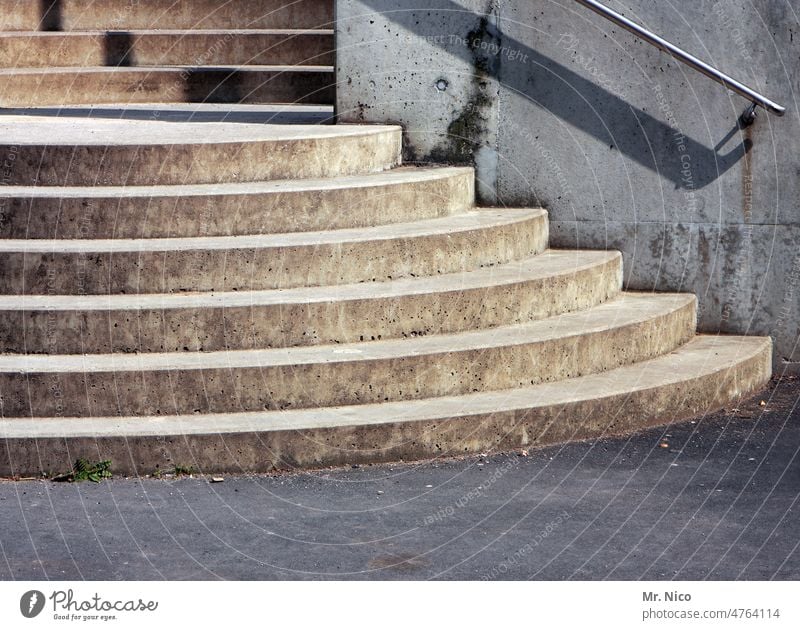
(352, 605)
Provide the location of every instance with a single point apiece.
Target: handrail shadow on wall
(573, 98)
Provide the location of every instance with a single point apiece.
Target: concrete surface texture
(714, 498)
(274, 261)
(625, 147)
(235, 208)
(231, 295)
(622, 331)
(70, 52)
(279, 47)
(275, 113)
(111, 15)
(433, 329)
(520, 291)
(42, 151)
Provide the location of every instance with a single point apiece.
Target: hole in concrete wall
(118, 49)
(50, 10)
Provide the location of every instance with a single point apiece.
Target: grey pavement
(714, 498)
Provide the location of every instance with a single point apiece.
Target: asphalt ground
(713, 498)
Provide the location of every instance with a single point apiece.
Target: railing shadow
(118, 49)
(51, 19)
(208, 85)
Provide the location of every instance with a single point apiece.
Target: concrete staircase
(234, 296)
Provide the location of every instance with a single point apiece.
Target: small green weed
(84, 470)
(177, 471)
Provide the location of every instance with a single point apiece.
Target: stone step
(116, 15)
(184, 284)
(274, 113)
(548, 284)
(48, 151)
(27, 87)
(699, 377)
(283, 47)
(630, 328)
(358, 201)
(280, 261)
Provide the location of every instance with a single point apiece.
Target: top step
(84, 152)
(75, 15)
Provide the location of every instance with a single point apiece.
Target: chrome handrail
(690, 60)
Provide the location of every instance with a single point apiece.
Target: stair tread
(550, 264)
(472, 220)
(394, 176)
(77, 132)
(627, 309)
(274, 113)
(76, 15)
(702, 356)
(169, 31)
(163, 67)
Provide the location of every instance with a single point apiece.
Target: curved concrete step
(28, 87)
(242, 263)
(701, 376)
(551, 283)
(70, 15)
(89, 152)
(358, 201)
(633, 327)
(287, 47)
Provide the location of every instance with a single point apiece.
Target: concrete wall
(625, 147)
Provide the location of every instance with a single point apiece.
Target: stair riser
(165, 85)
(270, 268)
(134, 165)
(300, 324)
(393, 441)
(69, 15)
(229, 215)
(50, 50)
(347, 382)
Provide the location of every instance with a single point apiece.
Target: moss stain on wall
(468, 131)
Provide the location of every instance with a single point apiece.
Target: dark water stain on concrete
(467, 132)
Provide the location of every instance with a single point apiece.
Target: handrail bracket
(749, 115)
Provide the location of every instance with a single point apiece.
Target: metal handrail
(690, 60)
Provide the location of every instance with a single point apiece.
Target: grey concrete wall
(414, 67)
(625, 147)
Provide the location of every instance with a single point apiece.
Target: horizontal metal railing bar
(685, 57)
